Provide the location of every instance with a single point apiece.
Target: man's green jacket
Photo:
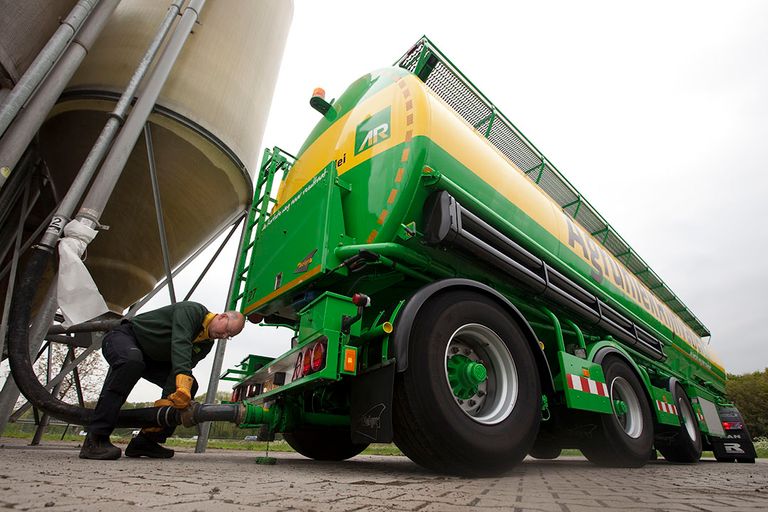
(175, 334)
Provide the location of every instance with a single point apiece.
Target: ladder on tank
(273, 161)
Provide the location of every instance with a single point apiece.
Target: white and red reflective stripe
(665, 407)
(586, 385)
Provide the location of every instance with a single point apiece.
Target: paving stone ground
(53, 478)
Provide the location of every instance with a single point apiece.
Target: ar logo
(373, 130)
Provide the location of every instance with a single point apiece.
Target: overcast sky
(655, 111)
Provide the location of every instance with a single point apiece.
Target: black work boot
(98, 447)
(141, 446)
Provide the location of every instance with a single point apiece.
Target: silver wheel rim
(687, 416)
(632, 420)
(496, 396)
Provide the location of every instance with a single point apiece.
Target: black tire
(431, 427)
(611, 445)
(545, 450)
(324, 443)
(683, 443)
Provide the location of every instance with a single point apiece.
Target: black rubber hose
(29, 385)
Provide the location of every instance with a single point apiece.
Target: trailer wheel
(469, 402)
(684, 443)
(624, 438)
(324, 443)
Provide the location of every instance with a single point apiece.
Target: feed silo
(206, 131)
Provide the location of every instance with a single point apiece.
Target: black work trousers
(128, 364)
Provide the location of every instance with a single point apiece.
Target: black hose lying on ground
(24, 375)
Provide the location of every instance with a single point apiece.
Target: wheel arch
(409, 312)
(606, 348)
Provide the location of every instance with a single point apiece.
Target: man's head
(226, 325)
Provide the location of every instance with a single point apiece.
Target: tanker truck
(451, 292)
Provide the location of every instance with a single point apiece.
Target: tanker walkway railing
(427, 62)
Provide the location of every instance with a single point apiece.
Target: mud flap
(371, 414)
(733, 446)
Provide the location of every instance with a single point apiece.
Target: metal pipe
(90, 326)
(221, 345)
(43, 63)
(104, 183)
(159, 211)
(378, 331)
(67, 340)
(27, 123)
(108, 133)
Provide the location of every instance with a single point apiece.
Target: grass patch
(274, 446)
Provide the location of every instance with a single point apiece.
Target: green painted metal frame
(273, 161)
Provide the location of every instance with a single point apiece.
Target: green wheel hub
(465, 375)
(620, 407)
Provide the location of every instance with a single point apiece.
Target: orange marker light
(585, 372)
(350, 360)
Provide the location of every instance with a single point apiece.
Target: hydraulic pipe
(43, 63)
(26, 124)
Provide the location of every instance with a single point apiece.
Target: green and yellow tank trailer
(450, 291)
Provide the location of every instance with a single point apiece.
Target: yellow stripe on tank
(339, 140)
(492, 166)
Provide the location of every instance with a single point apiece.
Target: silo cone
(206, 130)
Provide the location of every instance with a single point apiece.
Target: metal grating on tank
(456, 93)
(454, 88)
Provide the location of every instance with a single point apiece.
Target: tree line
(749, 393)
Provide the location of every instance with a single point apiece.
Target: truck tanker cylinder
(388, 132)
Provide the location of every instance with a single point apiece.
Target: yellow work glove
(183, 394)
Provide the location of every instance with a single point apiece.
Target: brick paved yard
(52, 478)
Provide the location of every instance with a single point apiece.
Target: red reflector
(318, 356)
(732, 425)
(307, 366)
